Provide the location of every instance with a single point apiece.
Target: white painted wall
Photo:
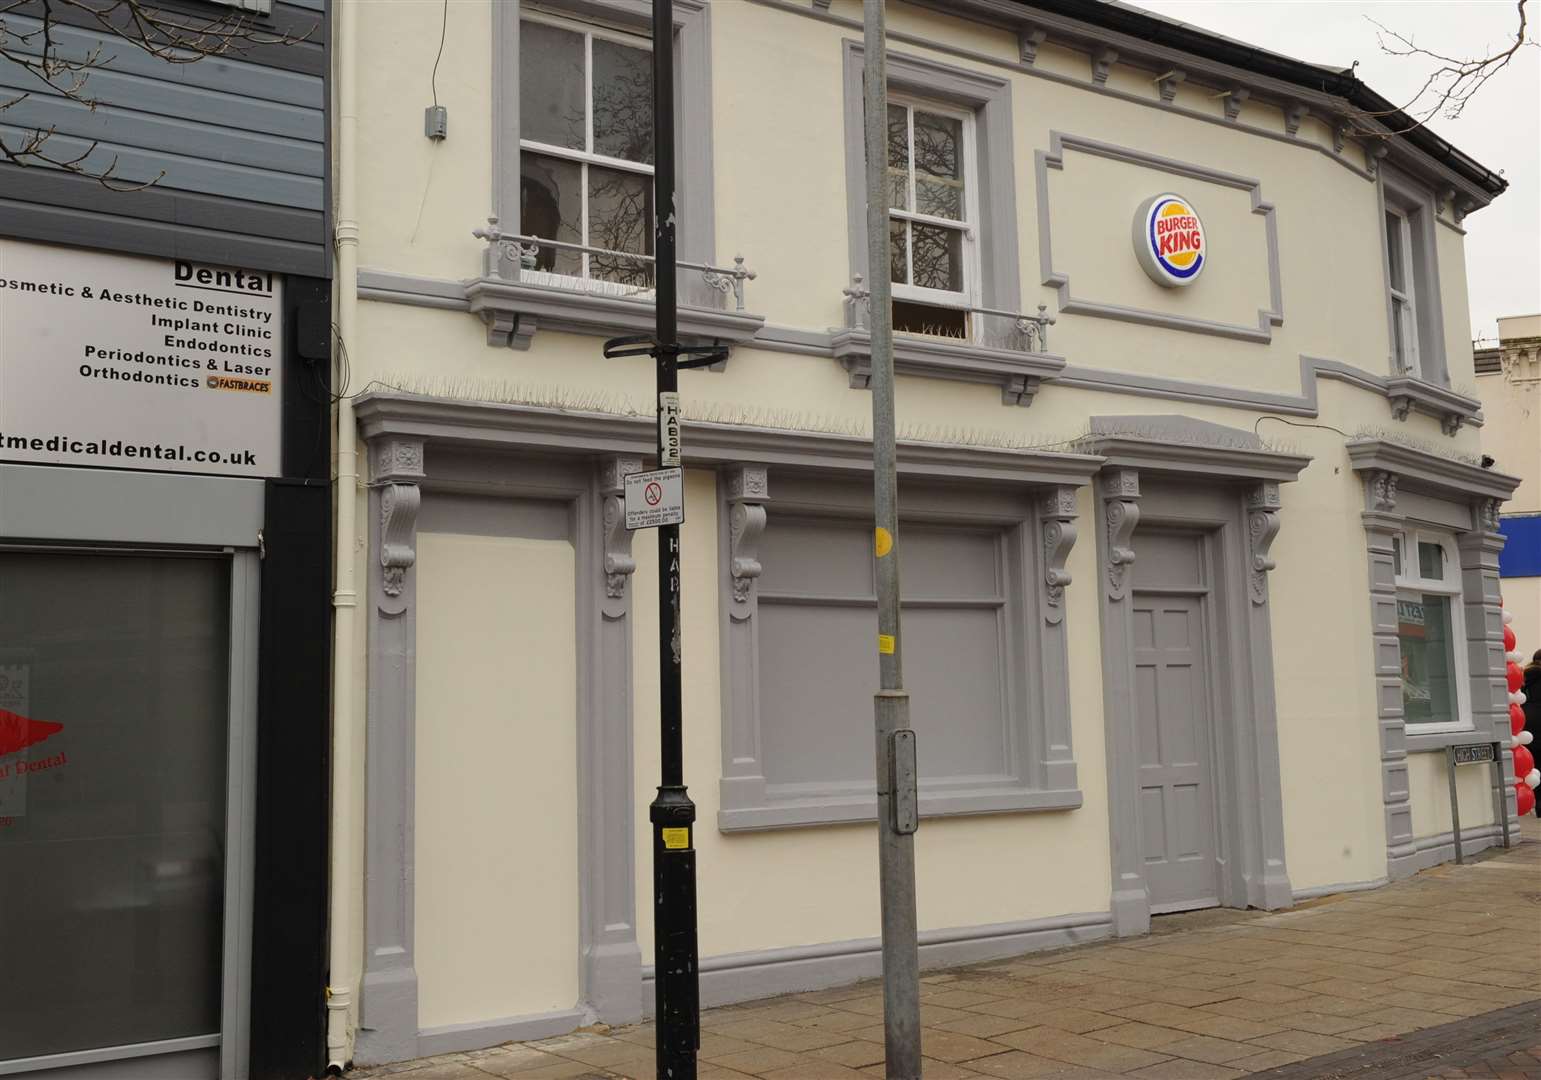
(497, 815)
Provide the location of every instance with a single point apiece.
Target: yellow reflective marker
(676, 838)
(883, 542)
(886, 644)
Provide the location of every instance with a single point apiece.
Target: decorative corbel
(1028, 40)
(1401, 406)
(1166, 85)
(397, 466)
(1462, 208)
(748, 490)
(1450, 423)
(1294, 113)
(1446, 201)
(1232, 100)
(1383, 491)
(1485, 514)
(1102, 63)
(1120, 494)
(1339, 136)
(618, 563)
(1374, 154)
(1263, 506)
(1058, 512)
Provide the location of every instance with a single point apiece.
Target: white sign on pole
(135, 363)
(669, 429)
(655, 498)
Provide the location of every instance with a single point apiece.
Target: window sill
(770, 812)
(1409, 394)
(1430, 741)
(1018, 373)
(513, 311)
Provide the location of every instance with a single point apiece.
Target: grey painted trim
(1420, 470)
(405, 469)
(1054, 158)
(240, 817)
(989, 97)
(514, 311)
(1250, 843)
(1333, 890)
(692, 114)
(1157, 58)
(525, 427)
(1039, 765)
(1430, 851)
(1018, 374)
(482, 1033)
(746, 976)
(1411, 393)
(117, 506)
(961, 362)
(1179, 444)
(107, 1054)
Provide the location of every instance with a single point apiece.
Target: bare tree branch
(1448, 88)
(29, 39)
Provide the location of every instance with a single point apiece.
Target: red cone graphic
(18, 732)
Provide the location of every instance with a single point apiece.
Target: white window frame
(1404, 301)
(1409, 580)
(969, 295)
(586, 157)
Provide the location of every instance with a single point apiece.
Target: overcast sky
(1501, 127)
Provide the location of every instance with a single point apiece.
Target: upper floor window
(1431, 631)
(1404, 300)
(586, 150)
(932, 215)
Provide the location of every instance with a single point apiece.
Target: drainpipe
(339, 994)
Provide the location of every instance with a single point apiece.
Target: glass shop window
(1431, 632)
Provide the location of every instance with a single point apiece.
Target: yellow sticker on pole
(674, 839)
(883, 541)
(886, 644)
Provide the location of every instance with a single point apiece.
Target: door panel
(1177, 828)
(114, 678)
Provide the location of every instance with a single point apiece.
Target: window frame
(1404, 358)
(968, 296)
(1424, 358)
(1411, 583)
(587, 157)
(1038, 768)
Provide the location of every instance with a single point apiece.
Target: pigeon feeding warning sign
(655, 498)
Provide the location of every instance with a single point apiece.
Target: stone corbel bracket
(1120, 495)
(1019, 374)
(1374, 154)
(1408, 394)
(1059, 534)
(1102, 62)
(1232, 99)
(398, 467)
(1028, 40)
(748, 490)
(1166, 85)
(1294, 113)
(1485, 514)
(1381, 492)
(1263, 505)
(618, 562)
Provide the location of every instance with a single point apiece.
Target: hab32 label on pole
(669, 429)
(656, 498)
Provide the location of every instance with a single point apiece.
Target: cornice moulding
(531, 428)
(1445, 476)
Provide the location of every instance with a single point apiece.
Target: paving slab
(1429, 977)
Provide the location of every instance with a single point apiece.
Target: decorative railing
(1032, 331)
(512, 255)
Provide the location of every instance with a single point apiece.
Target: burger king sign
(1169, 240)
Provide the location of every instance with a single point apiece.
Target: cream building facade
(1199, 580)
(1509, 384)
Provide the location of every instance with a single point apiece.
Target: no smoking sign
(655, 498)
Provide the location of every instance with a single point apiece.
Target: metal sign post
(897, 802)
(1476, 754)
(656, 500)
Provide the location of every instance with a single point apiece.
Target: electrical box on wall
(436, 122)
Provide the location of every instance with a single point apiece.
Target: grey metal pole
(897, 810)
(1455, 803)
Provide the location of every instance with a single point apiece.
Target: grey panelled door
(1176, 804)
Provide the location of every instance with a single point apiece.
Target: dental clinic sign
(1169, 240)
(133, 363)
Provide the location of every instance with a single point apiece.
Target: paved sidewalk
(1208, 996)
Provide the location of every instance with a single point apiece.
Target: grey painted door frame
(1191, 474)
(406, 469)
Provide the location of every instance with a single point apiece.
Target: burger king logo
(1169, 240)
